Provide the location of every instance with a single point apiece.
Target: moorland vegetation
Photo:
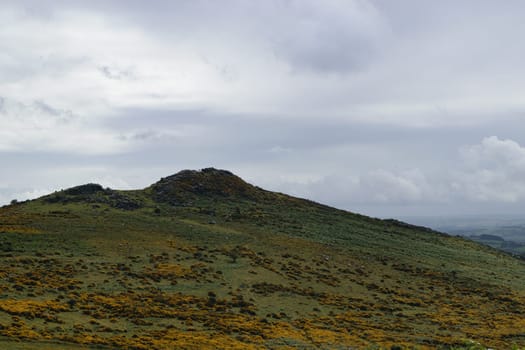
(204, 260)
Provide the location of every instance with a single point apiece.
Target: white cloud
(377, 186)
(493, 153)
(8, 195)
(385, 186)
(70, 176)
(39, 127)
(280, 150)
(495, 171)
(492, 171)
(30, 194)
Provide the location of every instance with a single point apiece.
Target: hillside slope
(203, 260)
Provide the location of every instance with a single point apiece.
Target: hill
(204, 260)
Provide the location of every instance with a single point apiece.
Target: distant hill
(509, 227)
(517, 249)
(204, 260)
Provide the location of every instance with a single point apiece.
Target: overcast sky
(387, 108)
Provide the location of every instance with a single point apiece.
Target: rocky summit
(210, 182)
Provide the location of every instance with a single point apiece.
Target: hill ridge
(203, 255)
(184, 187)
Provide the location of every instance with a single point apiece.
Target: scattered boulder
(121, 201)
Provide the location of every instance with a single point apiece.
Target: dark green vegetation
(203, 260)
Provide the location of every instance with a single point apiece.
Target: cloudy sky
(388, 108)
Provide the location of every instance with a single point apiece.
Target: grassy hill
(203, 260)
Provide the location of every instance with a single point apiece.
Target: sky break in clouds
(385, 108)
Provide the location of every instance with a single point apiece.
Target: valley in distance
(504, 232)
(204, 260)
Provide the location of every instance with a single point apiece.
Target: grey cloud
(333, 36)
(32, 111)
(149, 136)
(333, 146)
(407, 58)
(37, 126)
(146, 135)
(340, 38)
(115, 73)
(61, 115)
